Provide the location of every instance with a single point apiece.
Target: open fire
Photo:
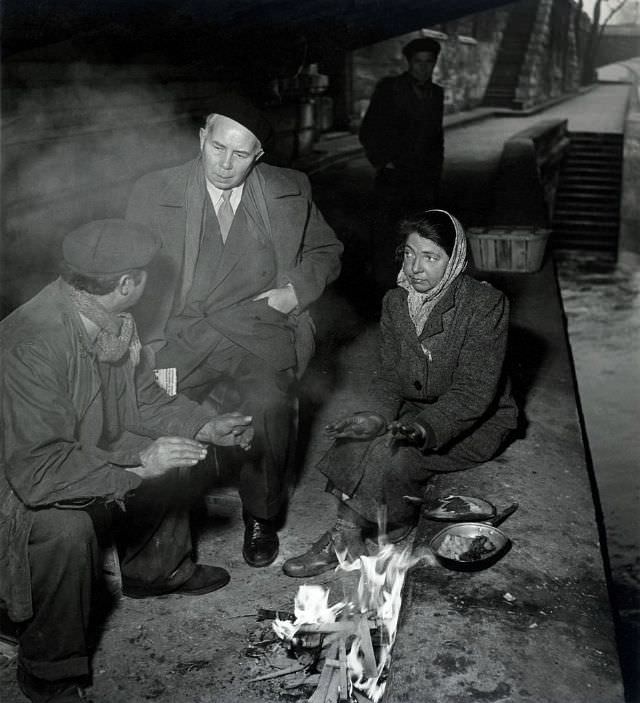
(354, 636)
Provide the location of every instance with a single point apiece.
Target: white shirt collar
(216, 196)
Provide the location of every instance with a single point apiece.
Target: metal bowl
(480, 546)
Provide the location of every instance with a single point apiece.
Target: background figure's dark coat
(450, 378)
(402, 128)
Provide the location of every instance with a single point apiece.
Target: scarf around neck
(117, 333)
(421, 305)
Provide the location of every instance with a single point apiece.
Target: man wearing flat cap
(245, 252)
(92, 450)
(403, 138)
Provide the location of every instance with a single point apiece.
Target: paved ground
(460, 639)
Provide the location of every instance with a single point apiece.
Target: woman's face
(424, 262)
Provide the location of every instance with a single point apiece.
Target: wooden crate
(508, 248)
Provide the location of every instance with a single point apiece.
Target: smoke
(75, 137)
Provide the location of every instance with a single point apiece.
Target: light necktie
(225, 214)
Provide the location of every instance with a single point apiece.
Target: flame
(311, 605)
(378, 598)
(380, 594)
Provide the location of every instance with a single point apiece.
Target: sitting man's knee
(63, 529)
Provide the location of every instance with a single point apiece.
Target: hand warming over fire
(411, 433)
(228, 430)
(363, 425)
(167, 453)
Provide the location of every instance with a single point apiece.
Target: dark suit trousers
(65, 559)
(235, 379)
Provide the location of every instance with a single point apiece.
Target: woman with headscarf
(439, 402)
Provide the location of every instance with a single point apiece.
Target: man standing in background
(246, 251)
(403, 138)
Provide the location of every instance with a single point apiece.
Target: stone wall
(469, 47)
(552, 63)
(629, 241)
(618, 45)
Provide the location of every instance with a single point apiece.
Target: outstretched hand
(410, 433)
(362, 425)
(167, 453)
(228, 430)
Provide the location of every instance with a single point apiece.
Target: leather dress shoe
(204, 579)
(40, 690)
(322, 556)
(261, 543)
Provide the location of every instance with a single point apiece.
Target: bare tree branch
(612, 11)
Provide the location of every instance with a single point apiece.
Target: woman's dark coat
(449, 379)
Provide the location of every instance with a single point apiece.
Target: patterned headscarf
(421, 304)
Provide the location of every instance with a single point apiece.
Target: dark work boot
(204, 579)
(43, 691)
(323, 554)
(261, 543)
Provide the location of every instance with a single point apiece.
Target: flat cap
(109, 246)
(421, 44)
(242, 110)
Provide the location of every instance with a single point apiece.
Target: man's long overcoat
(307, 251)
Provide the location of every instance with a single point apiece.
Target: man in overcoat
(91, 447)
(245, 252)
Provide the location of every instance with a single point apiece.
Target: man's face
(229, 151)
(421, 66)
(137, 288)
(128, 291)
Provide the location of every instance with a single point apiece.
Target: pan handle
(503, 515)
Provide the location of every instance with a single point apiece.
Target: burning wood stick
(344, 626)
(347, 627)
(264, 614)
(343, 681)
(321, 694)
(369, 661)
(276, 674)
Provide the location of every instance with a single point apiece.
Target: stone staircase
(586, 212)
(501, 89)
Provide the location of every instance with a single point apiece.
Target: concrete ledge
(460, 638)
(527, 177)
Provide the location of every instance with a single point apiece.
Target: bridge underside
(227, 27)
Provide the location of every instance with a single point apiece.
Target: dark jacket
(457, 388)
(306, 249)
(52, 441)
(404, 129)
